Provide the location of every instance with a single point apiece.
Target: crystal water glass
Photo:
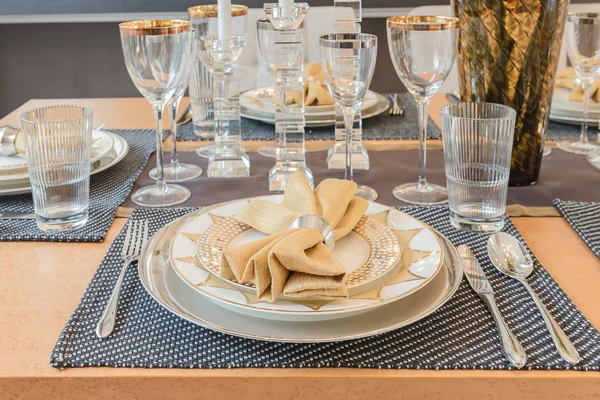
(58, 142)
(176, 171)
(156, 56)
(478, 140)
(348, 61)
(423, 70)
(583, 48)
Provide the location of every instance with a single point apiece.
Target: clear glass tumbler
(57, 142)
(478, 139)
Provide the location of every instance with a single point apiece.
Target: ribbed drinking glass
(156, 55)
(423, 70)
(58, 141)
(478, 139)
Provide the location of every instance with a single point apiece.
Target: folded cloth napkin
(295, 262)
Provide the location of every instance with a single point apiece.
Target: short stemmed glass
(423, 70)
(265, 33)
(348, 61)
(156, 55)
(176, 171)
(583, 47)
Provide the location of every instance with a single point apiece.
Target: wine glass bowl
(348, 61)
(423, 70)
(156, 55)
(583, 49)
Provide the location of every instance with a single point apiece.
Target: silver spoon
(511, 258)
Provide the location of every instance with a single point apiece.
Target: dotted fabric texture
(108, 189)
(562, 131)
(381, 127)
(460, 335)
(585, 219)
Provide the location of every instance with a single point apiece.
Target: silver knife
(511, 347)
(16, 215)
(453, 97)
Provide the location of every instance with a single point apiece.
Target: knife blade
(16, 215)
(511, 347)
(452, 97)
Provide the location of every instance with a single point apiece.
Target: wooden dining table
(42, 282)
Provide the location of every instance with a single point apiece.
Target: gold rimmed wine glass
(423, 70)
(156, 55)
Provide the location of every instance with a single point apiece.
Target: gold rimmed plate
(370, 253)
(422, 255)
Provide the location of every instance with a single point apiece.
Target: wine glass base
(574, 146)
(366, 192)
(153, 196)
(268, 150)
(185, 172)
(206, 151)
(547, 151)
(423, 195)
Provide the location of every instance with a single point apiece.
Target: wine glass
(265, 33)
(583, 48)
(205, 22)
(423, 70)
(156, 55)
(176, 171)
(348, 61)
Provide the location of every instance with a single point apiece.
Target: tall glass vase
(508, 54)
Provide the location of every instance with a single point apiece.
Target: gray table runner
(391, 168)
(381, 127)
(584, 217)
(108, 189)
(460, 335)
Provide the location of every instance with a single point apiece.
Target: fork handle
(511, 347)
(107, 320)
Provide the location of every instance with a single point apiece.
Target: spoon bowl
(509, 256)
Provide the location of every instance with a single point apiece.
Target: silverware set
(511, 258)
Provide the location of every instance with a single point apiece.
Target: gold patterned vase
(508, 54)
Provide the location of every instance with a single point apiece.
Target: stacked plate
(399, 270)
(259, 104)
(107, 150)
(571, 112)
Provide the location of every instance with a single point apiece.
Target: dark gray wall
(85, 60)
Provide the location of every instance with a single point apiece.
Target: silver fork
(396, 108)
(135, 239)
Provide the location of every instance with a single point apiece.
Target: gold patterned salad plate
(379, 273)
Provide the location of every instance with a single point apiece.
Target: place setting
(273, 255)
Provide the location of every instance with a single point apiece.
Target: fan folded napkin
(295, 262)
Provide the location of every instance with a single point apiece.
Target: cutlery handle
(107, 320)
(511, 346)
(564, 346)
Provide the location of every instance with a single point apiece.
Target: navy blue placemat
(584, 217)
(460, 335)
(108, 189)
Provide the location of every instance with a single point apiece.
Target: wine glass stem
(349, 123)
(423, 106)
(160, 176)
(587, 88)
(174, 109)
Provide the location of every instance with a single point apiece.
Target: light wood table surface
(41, 284)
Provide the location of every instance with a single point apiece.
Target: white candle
(224, 16)
(287, 7)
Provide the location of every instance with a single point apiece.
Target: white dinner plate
(421, 260)
(112, 157)
(102, 144)
(165, 286)
(382, 105)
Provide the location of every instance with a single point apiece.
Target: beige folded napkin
(315, 89)
(295, 262)
(565, 78)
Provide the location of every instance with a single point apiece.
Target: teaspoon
(511, 258)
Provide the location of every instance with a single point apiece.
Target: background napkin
(295, 262)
